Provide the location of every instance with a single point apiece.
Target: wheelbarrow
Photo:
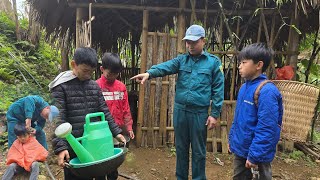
(100, 167)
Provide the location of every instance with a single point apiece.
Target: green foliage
(296, 155)
(314, 76)
(306, 47)
(316, 136)
(24, 23)
(172, 151)
(3, 142)
(25, 69)
(7, 26)
(306, 44)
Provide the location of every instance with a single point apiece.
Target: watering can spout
(64, 131)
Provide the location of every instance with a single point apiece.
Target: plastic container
(97, 138)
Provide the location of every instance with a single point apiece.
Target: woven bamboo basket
(299, 102)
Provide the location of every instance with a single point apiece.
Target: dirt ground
(147, 164)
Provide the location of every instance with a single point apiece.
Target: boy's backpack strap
(257, 92)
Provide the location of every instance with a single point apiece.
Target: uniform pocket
(204, 76)
(184, 74)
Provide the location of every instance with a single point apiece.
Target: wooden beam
(81, 14)
(142, 70)
(170, 9)
(181, 28)
(237, 52)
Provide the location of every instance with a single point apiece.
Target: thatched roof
(57, 16)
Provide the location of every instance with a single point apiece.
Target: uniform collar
(196, 58)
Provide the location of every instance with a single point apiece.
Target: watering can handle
(97, 114)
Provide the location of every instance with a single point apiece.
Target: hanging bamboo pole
(293, 43)
(264, 23)
(181, 28)
(272, 71)
(193, 13)
(166, 9)
(142, 70)
(234, 68)
(81, 14)
(205, 15)
(259, 29)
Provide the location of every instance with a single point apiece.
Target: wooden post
(224, 137)
(234, 66)
(293, 44)
(81, 15)
(133, 57)
(181, 28)
(259, 29)
(142, 70)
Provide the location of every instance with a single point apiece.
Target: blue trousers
(190, 128)
(40, 135)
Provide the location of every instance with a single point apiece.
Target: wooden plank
(162, 34)
(146, 115)
(171, 95)
(164, 97)
(150, 132)
(231, 109)
(214, 141)
(158, 135)
(170, 9)
(224, 138)
(259, 29)
(181, 27)
(237, 52)
(157, 128)
(142, 70)
(81, 14)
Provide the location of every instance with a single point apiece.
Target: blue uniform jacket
(200, 79)
(28, 107)
(255, 131)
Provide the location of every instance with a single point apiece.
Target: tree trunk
(65, 48)
(34, 28)
(14, 4)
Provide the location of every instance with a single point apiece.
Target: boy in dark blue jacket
(256, 127)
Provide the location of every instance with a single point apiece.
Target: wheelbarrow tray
(100, 167)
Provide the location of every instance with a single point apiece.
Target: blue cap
(54, 112)
(194, 33)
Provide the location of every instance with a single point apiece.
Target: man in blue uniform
(33, 111)
(200, 79)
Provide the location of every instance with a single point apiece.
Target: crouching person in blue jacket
(256, 127)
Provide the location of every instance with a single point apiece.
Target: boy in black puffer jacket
(76, 95)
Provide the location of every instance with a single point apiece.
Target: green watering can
(96, 142)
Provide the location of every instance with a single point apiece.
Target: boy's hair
(112, 62)
(257, 52)
(86, 55)
(20, 129)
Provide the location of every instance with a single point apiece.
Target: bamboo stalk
(264, 23)
(234, 66)
(167, 9)
(142, 70)
(161, 34)
(181, 27)
(259, 29)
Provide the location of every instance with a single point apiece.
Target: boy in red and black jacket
(115, 92)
